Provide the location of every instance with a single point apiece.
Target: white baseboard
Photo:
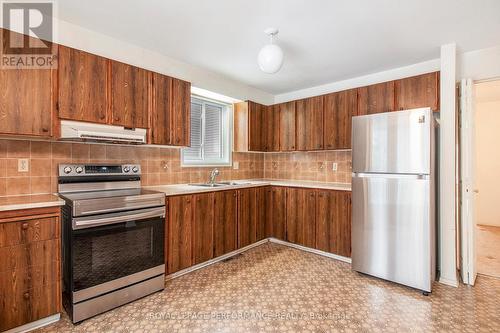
(248, 247)
(308, 249)
(449, 282)
(35, 324)
(214, 260)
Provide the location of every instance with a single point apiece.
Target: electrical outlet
(236, 165)
(23, 165)
(334, 167)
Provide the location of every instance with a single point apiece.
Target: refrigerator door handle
(390, 175)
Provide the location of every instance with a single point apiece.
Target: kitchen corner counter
(182, 189)
(29, 202)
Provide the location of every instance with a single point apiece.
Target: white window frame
(227, 136)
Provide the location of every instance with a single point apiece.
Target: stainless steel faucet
(214, 173)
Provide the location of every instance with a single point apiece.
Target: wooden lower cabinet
(225, 222)
(179, 233)
(30, 266)
(247, 216)
(203, 227)
(300, 217)
(333, 222)
(208, 225)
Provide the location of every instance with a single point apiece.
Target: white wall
(480, 64)
(80, 38)
(389, 75)
(487, 137)
(447, 168)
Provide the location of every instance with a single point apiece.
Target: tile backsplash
(160, 165)
(314, 166)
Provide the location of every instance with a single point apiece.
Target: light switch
(334, 167)
(23, 165)
(236, 165)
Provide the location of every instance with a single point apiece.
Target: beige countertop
(29, 201)
(180, 189)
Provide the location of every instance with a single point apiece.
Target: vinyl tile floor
(274, 288)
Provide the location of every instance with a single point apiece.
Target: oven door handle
(93, 221)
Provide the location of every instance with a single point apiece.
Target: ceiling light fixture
(270, 56)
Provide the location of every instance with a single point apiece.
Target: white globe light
(270, 58)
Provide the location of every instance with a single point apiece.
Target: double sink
(219, 184)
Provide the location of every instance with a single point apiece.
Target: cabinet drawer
(27, 231)
(21, 280)
(33, 254)
(19, 308)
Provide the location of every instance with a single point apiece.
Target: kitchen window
(210, 134)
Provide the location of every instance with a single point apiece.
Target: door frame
(467, 176)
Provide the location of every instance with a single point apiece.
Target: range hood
(80, 131)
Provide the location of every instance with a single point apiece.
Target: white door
(468, 253)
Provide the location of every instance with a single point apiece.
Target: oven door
(112, 251)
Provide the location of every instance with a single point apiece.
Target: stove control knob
(135, 169)
(67, 169)
(79, 169)
(126, 169)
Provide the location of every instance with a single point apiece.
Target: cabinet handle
(26, 295)
(102, 117)
(25, 226)
(45, 130)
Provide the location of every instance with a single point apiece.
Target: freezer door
(392, 142)
(393, 228)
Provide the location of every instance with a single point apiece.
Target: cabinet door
(309, 130)
(225, 222)
(418, 92)
(82, 86)
(376, 98)
(278, 212)
(270, 123)
(333, 222)
(339, 108)
(26, 102)
(247, 216)
(181, 113)
(264, 209)
(129, 95)
(300, 218)
(255, 127)
(287, 126)
(179, 233)
(203, 227)
(161, 113)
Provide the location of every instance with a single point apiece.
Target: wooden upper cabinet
(181, 113)
(26, 102)
(309, 126)
(418, 92)
(271, 121)
(339, 108)
(161, 112)
(129, 95)
(376, 98)
(286, 126)
(255, 126)
(82, 86)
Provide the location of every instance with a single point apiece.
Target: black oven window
(106, 253)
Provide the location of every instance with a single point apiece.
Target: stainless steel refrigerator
(393, 197)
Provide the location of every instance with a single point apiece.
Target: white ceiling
(323, 40)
